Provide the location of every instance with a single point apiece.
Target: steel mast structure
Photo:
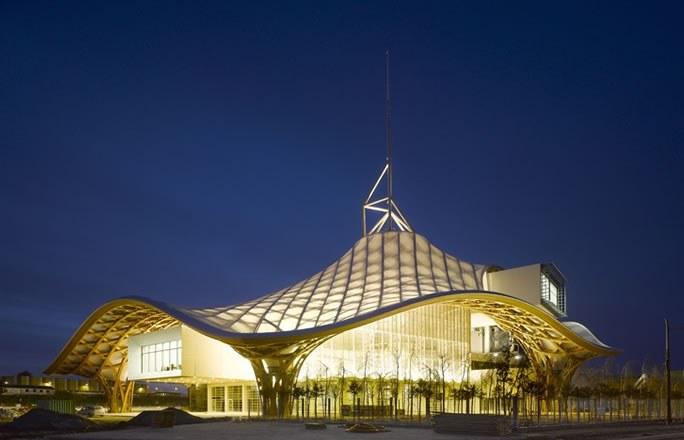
(391, 216)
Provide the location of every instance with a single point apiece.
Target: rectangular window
(552, 292)
(218, 399)
(235, 398)
(161, 357)
(253, 400)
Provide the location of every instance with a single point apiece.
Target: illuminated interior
(412, 342)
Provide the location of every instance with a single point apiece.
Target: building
(26, 390)
(393, 304)
(56, 383)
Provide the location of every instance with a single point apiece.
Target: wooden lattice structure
(383, 274)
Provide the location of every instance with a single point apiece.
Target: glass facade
(433, 337)
(234, 398)
(253, 400)
(163, 356)
(218, 399)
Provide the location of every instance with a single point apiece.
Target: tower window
(553, 292)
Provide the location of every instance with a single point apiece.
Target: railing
(530, 411)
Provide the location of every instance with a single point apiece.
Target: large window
(253, 401)
(218, 399)
(235, 398)
(553, 292)
(164, 356)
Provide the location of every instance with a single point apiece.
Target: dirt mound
(146, 418)
(39, 419)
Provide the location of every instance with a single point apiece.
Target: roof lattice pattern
(380, 270)
(380, 274)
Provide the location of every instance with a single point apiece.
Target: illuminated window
(253, 401)
(235, 398)
(218, 399)
(552, 292)
(164, 356)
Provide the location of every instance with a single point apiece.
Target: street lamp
(668, 394)
(668, 369)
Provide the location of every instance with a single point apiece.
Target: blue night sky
(204, 153)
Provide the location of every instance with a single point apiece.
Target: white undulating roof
(381, 270)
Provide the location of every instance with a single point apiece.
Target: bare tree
(324, 393)
(381, 384)
(334, 390)
(443, 367)
(396, 355)
(366, 360)
(341, 380)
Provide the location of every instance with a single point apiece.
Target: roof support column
(119, 393)
(275, 380)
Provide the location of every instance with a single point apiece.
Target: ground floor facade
(390, 367)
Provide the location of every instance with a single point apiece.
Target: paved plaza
(296, 431)
(257, 431)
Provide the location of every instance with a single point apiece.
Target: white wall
(202, 357)
(208, 358)
(478, 319)
(520, 282)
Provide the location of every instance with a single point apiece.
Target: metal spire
(388, 127)
(392, 217)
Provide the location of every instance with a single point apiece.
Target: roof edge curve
(575, 332)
